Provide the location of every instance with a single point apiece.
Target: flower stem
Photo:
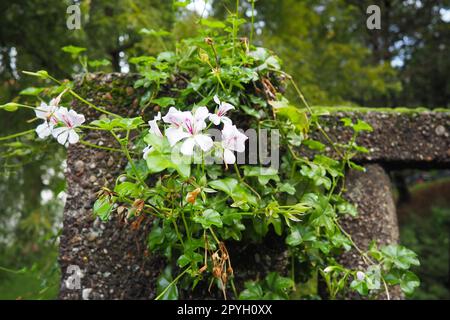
(93, 105)
(172, 283)
(99, 147)
(16, 135)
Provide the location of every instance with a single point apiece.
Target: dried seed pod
(217, 272)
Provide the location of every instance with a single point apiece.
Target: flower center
(67, 121)
(189, 126)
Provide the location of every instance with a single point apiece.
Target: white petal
(240, 142)
(225, 107)
(56, 132)
(216, 99)
(73, 137)
(187, 148)
(76, 118)
(214, 118)
(175, 134)
(174, 117)
(205, 142)
(228, 156)
(42, 111)
(62, 138)
(226, 121)
(43, 130)
(154, 127)
(201, 114)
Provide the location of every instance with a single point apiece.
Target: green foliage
(274, 287)
(427, 234)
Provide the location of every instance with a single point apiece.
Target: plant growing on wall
(185, 171)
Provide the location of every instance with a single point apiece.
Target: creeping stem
(172, 283)
(16, 135)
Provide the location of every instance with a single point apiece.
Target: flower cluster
(59, 122)
(188, 128)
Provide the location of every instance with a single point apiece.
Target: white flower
(48, 114)
(188, 127)
(70, 120)
(154, 125)
(232, 140)
(219, 116)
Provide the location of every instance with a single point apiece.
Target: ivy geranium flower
(219, 116)
(66, 134)
(232, 140)
(188, 127)
(48, 114)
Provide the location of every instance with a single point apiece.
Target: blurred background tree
(324, 44)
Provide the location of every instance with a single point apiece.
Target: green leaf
(180, 4)
(399, 256)
(226, 185)
(189, 257)
(360, 287)
(103, 207)
(314, 144)
(287, 187)
(347, 122)
(127, 189)
(142, 60)
(278, 284)
(181, 164)
(300, 234)
(294, 238)
(157, 162)
(213, 24)
(317, 173)
(164, 102)
(253, 291)
(356, 166)
(409, 282)
(99, 63)
(73, 50)
(362, 126)
(209, 218)
(156, 33)
(347, 208)
(156, 237)
(264, 174)
(294, 114)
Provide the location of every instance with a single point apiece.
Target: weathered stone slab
(399, 139)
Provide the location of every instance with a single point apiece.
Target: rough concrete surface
(371, 192)
(398, 139)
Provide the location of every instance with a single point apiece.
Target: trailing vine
(221, 80)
